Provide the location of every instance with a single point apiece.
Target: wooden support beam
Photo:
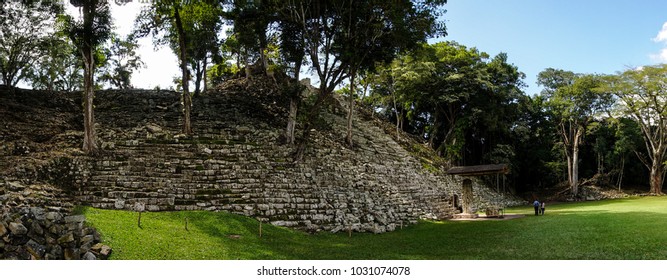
(479, 170)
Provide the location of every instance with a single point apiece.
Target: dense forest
(467, 105)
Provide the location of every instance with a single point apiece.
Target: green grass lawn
(615, 229)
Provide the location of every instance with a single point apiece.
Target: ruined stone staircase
(235, 161)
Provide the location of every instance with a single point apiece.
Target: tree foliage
(643, 96)
(60, 68)
(121, 60)
(576, 102)
(24, 34)
(328, 28)
(450, 95)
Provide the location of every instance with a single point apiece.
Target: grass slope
(616, 229)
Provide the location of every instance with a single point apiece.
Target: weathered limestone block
(67, 238)
(17, 228)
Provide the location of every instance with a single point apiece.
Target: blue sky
(588, 36)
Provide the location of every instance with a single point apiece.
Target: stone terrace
(235, 162)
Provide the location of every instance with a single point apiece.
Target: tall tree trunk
(291, 120)
(89, 136)
(198, 78)
(187, 99)
(574, 181)
(433, 132)
(656, 176)
(568, 155)
(620, 173)
(350, 112)
(402, 120)
(575, 169)
(248, 66)
(293, 107)
(205, 75)
(314, 110)
(399, 116)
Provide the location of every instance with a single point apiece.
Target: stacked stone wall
(236, 163)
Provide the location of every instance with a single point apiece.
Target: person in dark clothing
(536, 205)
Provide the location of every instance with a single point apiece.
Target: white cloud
(660, 57)
(662, 35)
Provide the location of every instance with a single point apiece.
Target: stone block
(89, 256)
(37, 228)
(119, 204)
(17, 228)
(71, 254)
(75, 219)
(38, 213)
(35, 249)
(67, 238)
(87, 238)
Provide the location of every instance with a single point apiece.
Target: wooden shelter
(466, 191)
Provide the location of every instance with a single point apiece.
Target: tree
(492, 112)
(576, 102)
(396, 88)
(292, 49)
(326, 27)
(374, 34)
(613, 140)
(24, 26)
(251, 21)
(459, 74)
(201, 22)
(87, 35)
(628, 138)
(643, 96)
(533, 136)
(164, 22)
(59, 68)
(122, 59)
(222, 68)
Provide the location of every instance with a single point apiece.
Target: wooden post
(139, 207)
(260, 228)
(186, 224)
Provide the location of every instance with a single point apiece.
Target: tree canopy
(24, 36)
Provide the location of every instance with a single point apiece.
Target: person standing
(536, 205)
(542, 206)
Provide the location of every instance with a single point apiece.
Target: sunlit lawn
(616, 229)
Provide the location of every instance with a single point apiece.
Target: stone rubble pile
(38, 234)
